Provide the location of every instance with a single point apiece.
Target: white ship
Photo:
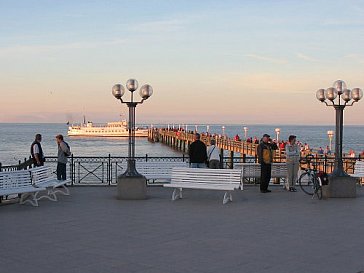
(111, 129)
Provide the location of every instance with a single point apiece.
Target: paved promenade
(91, 231)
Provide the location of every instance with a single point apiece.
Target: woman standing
(293, 160)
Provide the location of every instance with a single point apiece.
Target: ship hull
(113, 129)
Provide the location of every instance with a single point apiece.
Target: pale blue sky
(208, 61)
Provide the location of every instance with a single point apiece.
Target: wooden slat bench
(19, 182)
(211, 179)
(43, 177)
(359, 170)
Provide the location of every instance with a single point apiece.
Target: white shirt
(213, 153)
(35, 149)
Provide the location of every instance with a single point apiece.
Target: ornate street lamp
(245, 132)
(338, 96)
(278, 131)
(131, 184)
(330, 134)
(223, 131)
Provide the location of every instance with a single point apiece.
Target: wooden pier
(180, 140)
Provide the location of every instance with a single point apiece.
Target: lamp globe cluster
(339, 94)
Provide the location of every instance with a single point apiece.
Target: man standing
(265, 157)
(63, 152)
(293, 155)
(213, 155)
(37, 152)
(197, 153)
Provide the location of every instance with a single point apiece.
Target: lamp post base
(342, 187)
(132, 188)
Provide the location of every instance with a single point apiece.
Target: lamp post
(278, 131)
(223, 131)
(245, 132)
(131, 184)
(330, 134)
(338, 96)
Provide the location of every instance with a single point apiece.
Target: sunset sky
(241, 62)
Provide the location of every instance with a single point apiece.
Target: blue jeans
(198, 165)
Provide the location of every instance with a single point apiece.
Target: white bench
(252, 170)
(43, 177)
(358, 170)
(19, 182)
(157, 170)
(211, 179)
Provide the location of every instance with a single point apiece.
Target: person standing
(265, 158)
(63, 152)
(213, 156)
(293, 154)
(197, 153)
(37, 152)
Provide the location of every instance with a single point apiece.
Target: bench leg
(50, 195)
(28, 197)
(227, 197)
(177, 194)
(62, 190)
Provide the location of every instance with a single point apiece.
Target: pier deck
(91, 231)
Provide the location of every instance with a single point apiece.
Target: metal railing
(89, 170)
(103, 171)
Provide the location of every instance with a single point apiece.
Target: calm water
(16, 139)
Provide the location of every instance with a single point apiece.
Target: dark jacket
(197, 152)
(40, 155)
(265, 152)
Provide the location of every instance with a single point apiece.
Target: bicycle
(310, 182)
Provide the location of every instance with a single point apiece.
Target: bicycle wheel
(318, 187)
(306, 183)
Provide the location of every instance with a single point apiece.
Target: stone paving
(91, 231)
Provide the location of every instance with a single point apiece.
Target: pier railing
(104, 170)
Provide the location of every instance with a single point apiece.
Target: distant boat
(111, 129)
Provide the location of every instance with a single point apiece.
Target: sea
(16, 138)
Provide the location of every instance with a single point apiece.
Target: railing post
(325, 163)
(221, 158)
(72, 171)
(109, 175)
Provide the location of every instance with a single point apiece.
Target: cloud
(344, 22)
(305, 57)
(158, 26)
(266, 59)
(17, 50)
(359, 58)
